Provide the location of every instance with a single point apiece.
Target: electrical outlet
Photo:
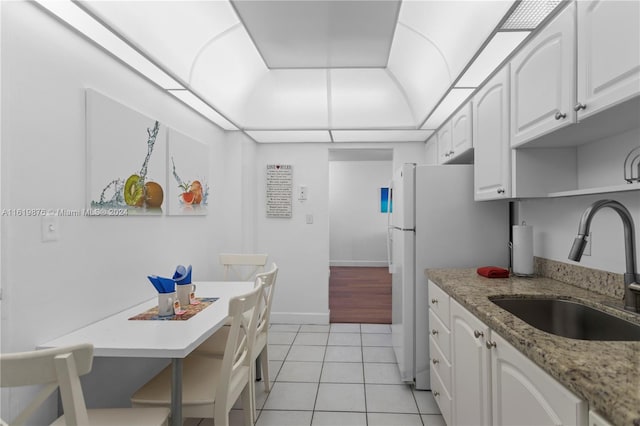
(309, 219)
(587, 248)
(50, 228)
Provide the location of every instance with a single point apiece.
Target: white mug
(166, 304)
(185, 293)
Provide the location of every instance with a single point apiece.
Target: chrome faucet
(631, 277)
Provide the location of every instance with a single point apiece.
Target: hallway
(360, 295)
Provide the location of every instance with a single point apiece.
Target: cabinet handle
(477, 334)
(500, 191)
(446, 154)
(436, 394)
(434, 331)
(435, 361)
(579, 106)
(451, 152)
(434, 301)
(560, 115)
(490, 344)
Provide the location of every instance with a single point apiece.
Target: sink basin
(570, 319)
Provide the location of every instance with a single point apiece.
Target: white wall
(358, 230)
(555, 220)
(99, 265)
(301, 249)
(555, 225)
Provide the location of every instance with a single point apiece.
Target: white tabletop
(117, 336)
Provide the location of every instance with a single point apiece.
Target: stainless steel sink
(571, 319)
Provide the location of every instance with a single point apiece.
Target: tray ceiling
(324, 68)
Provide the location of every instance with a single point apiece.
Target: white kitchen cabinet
(461, 135)
(431, 150)
(523, 393)
(439, 350)
(455, 138)
(470, 374)
(596, 419)
(543, 81)
(608, 54)
(492, 383)
(492, 170)
(444, 142)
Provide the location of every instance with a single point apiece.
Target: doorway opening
(359, 283)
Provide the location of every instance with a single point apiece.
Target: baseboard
(299, 318)
(361, 263)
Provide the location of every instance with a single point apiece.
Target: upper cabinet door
(608, 54)
(444, 143)
(542, 80)
(492, 170)
(461, 131)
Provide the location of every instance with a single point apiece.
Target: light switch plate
(309, 219)
(50, 228)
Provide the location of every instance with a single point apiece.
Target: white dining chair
(242, 266)
(215, 345)
(212, 385)
(60, 369)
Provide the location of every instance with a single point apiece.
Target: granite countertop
(604, 373)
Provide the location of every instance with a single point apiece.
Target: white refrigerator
(435, 223)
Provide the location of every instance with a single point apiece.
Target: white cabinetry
(431, 150)
(492, 171)
(439, 350)
(608, 54)
(523, 393)
(542, 81)
(492, 383)
(471, 379)
(444, 143)
(455, 138)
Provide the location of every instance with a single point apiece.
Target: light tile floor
(335, 375)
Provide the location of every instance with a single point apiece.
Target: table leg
(176, 392)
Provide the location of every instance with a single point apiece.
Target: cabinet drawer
(440, 364)
(439, 303)
(442, 396)
(440, 334)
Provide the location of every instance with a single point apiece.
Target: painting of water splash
(188, 181)
(126, 153)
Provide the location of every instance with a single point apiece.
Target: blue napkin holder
(182, 275)
(162, 284)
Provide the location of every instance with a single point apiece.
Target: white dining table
(118, 336)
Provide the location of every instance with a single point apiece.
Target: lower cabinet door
(470, 359)
(442, 396)
(524, 394)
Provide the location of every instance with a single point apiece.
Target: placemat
(190, 310)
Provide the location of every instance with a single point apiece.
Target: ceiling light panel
(289, 136)
(529, 14)
(287, 99)
(449, 104)
(171, 32)
(95, 31)
(412, 58)
(198, 105)
(457, 28)
(320, 34)
(494, 53)
(381, 135)
(366, 99)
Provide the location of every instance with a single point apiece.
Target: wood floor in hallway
(360, 295)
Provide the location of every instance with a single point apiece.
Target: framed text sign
(279, 190)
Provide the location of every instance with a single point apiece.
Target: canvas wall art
(188, 189)
(126, 151)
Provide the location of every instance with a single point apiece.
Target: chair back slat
(54, 368)
(267, 280)
(240, 340)
(242, 267)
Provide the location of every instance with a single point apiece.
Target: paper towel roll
(522, 250)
